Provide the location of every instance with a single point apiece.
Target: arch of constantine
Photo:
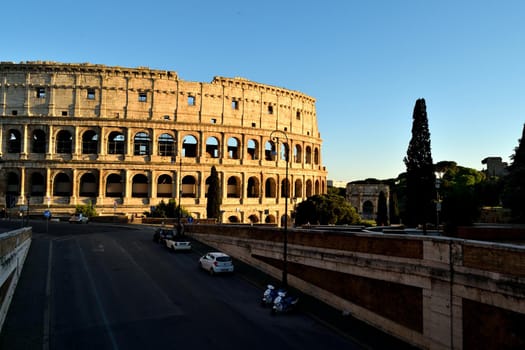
(123, 139)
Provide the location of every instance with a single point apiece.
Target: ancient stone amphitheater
(123, 139)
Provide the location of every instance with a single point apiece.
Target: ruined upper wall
(33, 89)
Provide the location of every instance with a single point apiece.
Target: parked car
(161, 234)
(216, 262)
(78, 219)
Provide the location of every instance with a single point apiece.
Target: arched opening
(368, 209)
(116, 143)
(189, 188)
(212, 147)
(316, 156)
(233, 188)
(189, 147)
(253, 218)
(253, 149)
(38, 184)
(88, 186)
(39, 142)
(166, 145)
(13, 184)
(62, 185)
(269, 151)
(298, 190)
(308, 155)
(141, 144)
(317, 187)
(14, 143)
(270, 219)
(285, 188)
(308, 188)
(298, 154)
(90, 142)
(233, 148)
(233, 219)
(114, 186)
(64, 142)
(270, 190)
(139, 187)
(253, 187)
(164, 186)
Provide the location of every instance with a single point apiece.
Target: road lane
(112, 288)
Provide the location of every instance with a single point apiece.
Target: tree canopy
(514, 197)
(326, 209)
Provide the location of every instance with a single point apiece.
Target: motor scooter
(284, 303)
(269, 295)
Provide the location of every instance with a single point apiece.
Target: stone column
(74, 189)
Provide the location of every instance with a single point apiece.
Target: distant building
(495, 166)
(365, 198)
(338, 184)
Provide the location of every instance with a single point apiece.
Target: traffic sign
(47, 214)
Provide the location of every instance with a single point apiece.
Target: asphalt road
(101, 287)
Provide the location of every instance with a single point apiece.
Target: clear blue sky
(366, 63)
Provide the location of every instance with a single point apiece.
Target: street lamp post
(179, 230)
(286, 192)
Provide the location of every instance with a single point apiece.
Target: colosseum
(124, 139)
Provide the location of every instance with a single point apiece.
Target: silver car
(216, 262)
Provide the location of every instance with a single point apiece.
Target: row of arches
(165, 145)
(113, 185)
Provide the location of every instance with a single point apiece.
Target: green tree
(326, 209)
(514, 197)
(213, 204)
(421, 180)
(382, 210)
(460, 194)
(86, 210)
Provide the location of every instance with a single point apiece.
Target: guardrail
(14, 246)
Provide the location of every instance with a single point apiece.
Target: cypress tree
(515, 182)
(420, 170)
(213, 204)
(382, 212)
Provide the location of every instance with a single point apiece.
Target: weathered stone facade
(126, 138)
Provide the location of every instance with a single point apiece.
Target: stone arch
(233, 187)
(62, 185)
(139, 186)
(298, 154)
(270, 188)
(141, 144)
(253, 218)
(88, 185)
(308, 155)
(308, 188)
(189, 146)
(13, 183)
(89, 142)
(37, 186)
(14, 142)
(166, 145)
(38, 141)
(164, 186)
(233, 148)
(64, 142)
(253, 187)
(189, 188)
(212, 147)
(116, 143)
(252, 149)
(114, 185)
(270, 219)
(298, 188)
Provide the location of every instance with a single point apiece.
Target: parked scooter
(269, 295)
(284, 302)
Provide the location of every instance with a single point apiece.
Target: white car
(216, 262)
(78, 219)
(176, 244)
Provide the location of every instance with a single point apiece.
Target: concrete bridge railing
(432, 292)
(14, 247)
